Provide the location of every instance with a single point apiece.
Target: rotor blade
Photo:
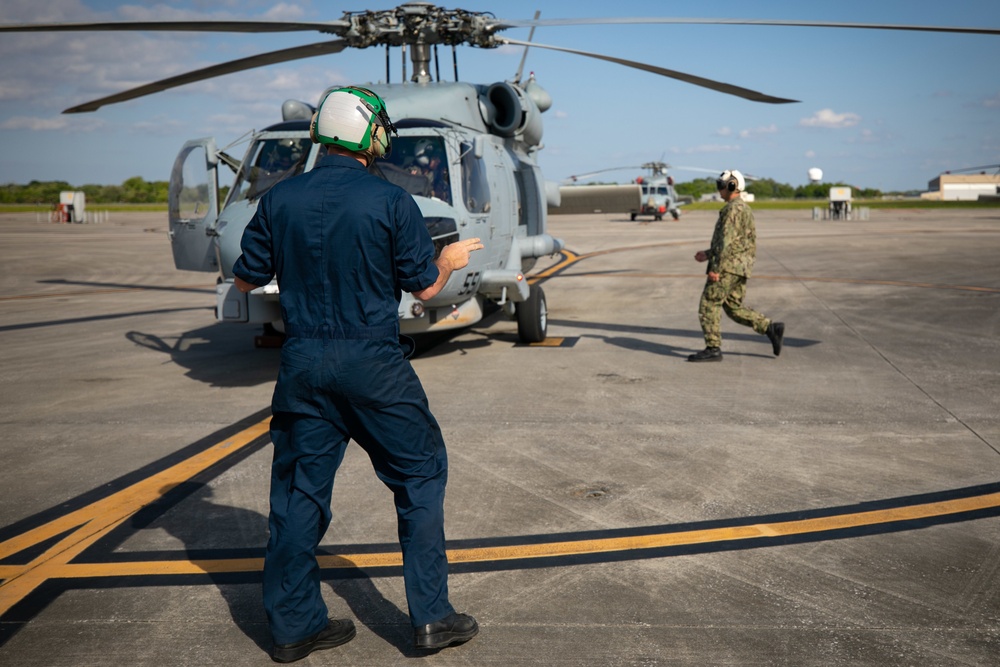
(745, 93)
(334, 27)
(501, 24)
(576, 177)
(524, 56)
(284, 55)
(702, 169)
(980, 168)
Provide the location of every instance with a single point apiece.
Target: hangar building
(963, 186)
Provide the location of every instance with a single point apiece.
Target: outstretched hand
(456, 255)
(453, 257)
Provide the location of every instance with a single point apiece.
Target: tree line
(135, 190)
(138, 191)
(766, 188)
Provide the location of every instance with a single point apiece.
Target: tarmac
(608, 504)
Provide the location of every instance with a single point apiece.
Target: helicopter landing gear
(532, 316)
(657, 217)
(632, 217)
(676, 215)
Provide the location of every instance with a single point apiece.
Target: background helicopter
(488, 137)
(657, 194)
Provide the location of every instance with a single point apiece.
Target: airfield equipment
(840, 203)
(72, 207)
(488, 136)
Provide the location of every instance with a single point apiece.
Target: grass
(791, 204)
(35, 208)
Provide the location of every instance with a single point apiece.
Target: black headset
(729, 185)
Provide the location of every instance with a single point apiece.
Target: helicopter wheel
(657, 217)
(632, 217)
(532, 316)
(676, 215)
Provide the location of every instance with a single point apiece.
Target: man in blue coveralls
(344, 244)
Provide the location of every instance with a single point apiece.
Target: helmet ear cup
(380, 141)
(312, 127)
(731, 185)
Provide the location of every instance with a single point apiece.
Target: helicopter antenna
(454, 60)
(437, 64)
(524, 56)
(387, 63)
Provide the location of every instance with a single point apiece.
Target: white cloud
(992, 102)
(724, 132)
(829, 118)
(810, 154)
(757, 131)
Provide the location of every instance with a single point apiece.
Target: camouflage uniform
(734, 246)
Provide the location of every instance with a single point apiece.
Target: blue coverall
(343, 244)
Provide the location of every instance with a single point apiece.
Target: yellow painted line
(548, 342)
(549, 549)
(570, 257)
(98, 519)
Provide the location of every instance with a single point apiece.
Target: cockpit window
(419, 165)
(269, 162)
(475, 185)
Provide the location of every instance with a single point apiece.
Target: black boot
(708, 354)
(450, 630)
(776, 332)
(334, 634)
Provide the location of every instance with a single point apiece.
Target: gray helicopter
(656, 193)
(472, 173)
(466, 152)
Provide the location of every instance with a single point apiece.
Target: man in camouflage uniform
(730, 261)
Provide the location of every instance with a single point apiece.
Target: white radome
(815, 175)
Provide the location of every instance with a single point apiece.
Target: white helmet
(422, 152)
(355, 119)
(731, 180)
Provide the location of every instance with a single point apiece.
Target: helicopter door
(194, 206)
(530, 198)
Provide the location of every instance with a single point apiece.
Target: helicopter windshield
(654, 190)
(419, 165)
(269, 162)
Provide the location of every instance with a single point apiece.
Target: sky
(879, 109)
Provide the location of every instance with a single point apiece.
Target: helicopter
(485, 137)
(657, 195)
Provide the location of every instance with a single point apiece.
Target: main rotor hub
(420, 23)
(657, 168)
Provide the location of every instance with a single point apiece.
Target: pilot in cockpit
(429, 162)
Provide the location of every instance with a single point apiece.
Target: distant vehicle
(657, 196)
